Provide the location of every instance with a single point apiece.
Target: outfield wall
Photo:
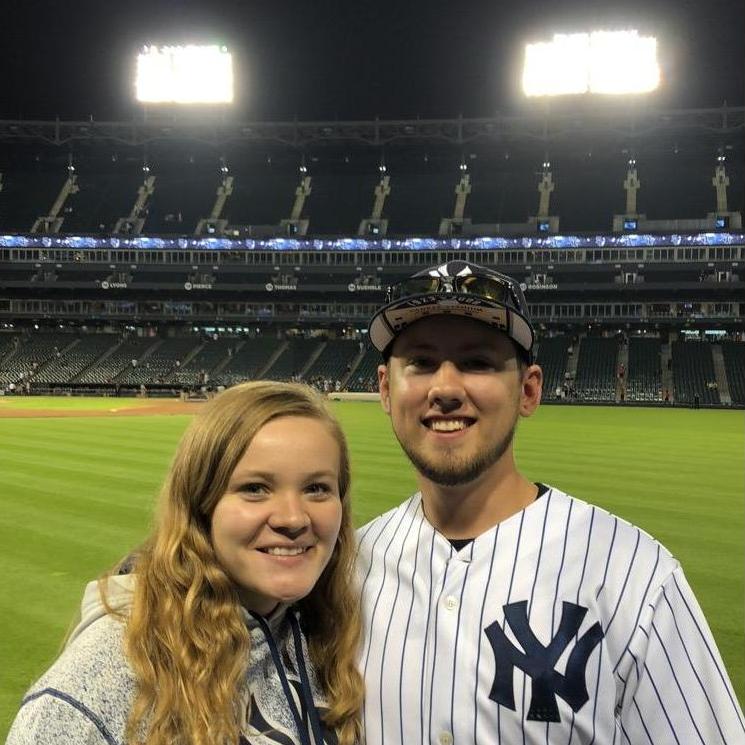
(351, 396)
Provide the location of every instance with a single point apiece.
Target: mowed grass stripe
(42, 523)
(65, 472)
(110, 461)
(79, 494)
(132, 453)
(137, 433)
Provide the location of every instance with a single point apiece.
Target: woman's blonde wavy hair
(186, 638)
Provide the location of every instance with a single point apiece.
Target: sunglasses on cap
(490, 287)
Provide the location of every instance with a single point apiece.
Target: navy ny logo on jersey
(539, 662)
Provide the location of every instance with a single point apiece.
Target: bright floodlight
(188, 74)
(611, 62)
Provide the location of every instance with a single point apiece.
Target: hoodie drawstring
(315, 722)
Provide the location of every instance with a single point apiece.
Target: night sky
(328, 59)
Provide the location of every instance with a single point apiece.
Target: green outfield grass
(77, 494)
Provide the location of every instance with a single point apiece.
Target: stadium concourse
(167, 258)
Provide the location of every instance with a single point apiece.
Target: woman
(237, 620)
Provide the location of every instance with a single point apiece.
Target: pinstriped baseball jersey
(562, 624)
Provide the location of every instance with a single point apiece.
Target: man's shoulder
(589, 516)
(372, 530)
(583, 520)
(383, 529)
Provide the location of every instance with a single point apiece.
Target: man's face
(454, 388)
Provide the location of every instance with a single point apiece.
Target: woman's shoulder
(84, 697)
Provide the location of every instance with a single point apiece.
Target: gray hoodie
(86, 695)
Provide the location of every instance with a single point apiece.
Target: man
(498, 610)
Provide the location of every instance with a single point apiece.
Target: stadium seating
(644, 374)
(365, 376)
(183, 195)
(293, 359)
(7, 344)
(102, 199)
(596, 369)
(198, 370)
(107, 368)
(157, 365)
(30, 354)
(28, 194)
(734, 363)
(693, 373)
(553, 356)
(248, 361)
(335, 360)
(87, 360)
(76, 358)
(338, 201)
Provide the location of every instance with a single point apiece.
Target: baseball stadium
(148, 264)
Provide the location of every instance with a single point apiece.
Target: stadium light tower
(184, 75)
(600, 62)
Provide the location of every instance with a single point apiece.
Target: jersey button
(451, 603)
(445, 738)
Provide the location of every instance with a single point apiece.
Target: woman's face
(276, 526)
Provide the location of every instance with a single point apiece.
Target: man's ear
(531, 390)
(384, 386)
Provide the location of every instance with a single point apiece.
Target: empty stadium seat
(30, 354)
(248, 361)
(108, 368)
(162, 360)
(76, 358)
(733, 354)
(365, 376)
(693, 373)
(335, 360)
(596, 369)
(291, 362)
(644, 374)
(553, 357)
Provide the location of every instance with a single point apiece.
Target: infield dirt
(117, 409)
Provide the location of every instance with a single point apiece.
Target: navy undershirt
(459, 543)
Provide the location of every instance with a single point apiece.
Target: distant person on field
(498, 609)
(237, 621)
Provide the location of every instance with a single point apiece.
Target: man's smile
(448, 424)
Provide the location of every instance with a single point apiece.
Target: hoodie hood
(119, 594)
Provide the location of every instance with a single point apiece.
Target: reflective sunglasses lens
(421, 285)
(413, 286)
(485, 287)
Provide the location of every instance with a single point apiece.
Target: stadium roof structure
(546, 127)
(589, 150)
